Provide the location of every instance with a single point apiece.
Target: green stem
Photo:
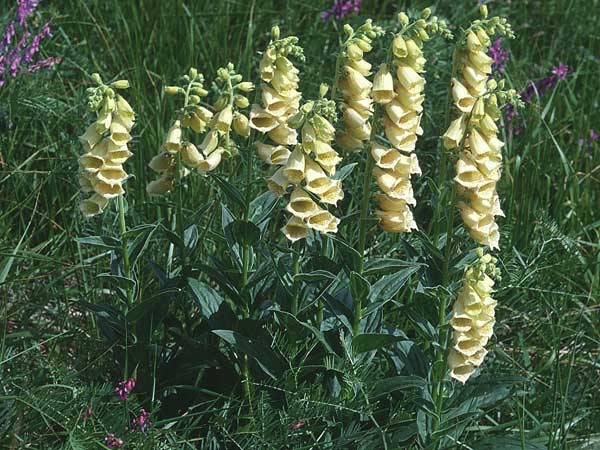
(296, 284)
(127, 273)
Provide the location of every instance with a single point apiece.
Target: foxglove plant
(474, 132)
(18, 54)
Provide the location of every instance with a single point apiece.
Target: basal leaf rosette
(473, 318)
(474, 133)
(106, 146)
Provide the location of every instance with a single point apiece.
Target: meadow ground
(216, 374)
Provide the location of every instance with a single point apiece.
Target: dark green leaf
(314, 276)
(140, 243)
(388, 286)
(344, 171)
(350, 256)
(269, 361)
(245, 233)
(106, 242)
(373, 341)
(399, 383)
(262, 206)
(384, 266)
(206, 297)
(359, 287)
(229, 189)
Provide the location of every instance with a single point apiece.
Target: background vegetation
(61, 352)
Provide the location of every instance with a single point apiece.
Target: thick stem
(296, 284)
(127, 274)
(362, 235)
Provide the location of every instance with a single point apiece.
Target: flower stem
(296, 284)
(127, 274)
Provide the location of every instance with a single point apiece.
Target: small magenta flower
(124, 388)
(87, 415)
(113, 441)
(141, 422)
(297, 425)
(499, 55)
(340, 9)
(561, 71)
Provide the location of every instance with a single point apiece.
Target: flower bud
(403, 19)
(426, 13)
(275, 32)
(245, 86)
(96, 78)
(193, 73)
(173, 90)
(120, 84)
(240, 101)
(483, 10)
(240, 125)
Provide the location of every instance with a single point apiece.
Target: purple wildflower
(18, 57)
(9, 34)
(25, 9)
(561, 71)
(538, 87)
(141, 422)
(589, 141)
(340, 9)
(499, 55)
(113, 441)
(87, 415)
(124, 388)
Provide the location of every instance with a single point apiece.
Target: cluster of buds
(105, 143)
(191, 116)
(280, 98)
(355, 87)
(217, 142)
(309, 169)
(473, 317)
(401, 98)
(475, 133)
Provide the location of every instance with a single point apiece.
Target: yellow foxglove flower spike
(401, 99)
(355, 87)
(474, 131)
(473, 318)
(105, 143)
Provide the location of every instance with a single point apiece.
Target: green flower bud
(323, 89)
(296, 120)
(223, 74)
(275, 32)
(348, 29)
(423, 34)
(199, 91)
(193, 73)
(492, 84)
(403, 19)
(220, 103)
(120, 84)
(96, 78)
(236, 78)
(194, 99)
(245, 86)
(483, 10)
(173, 90)
(241, 101)
(426, 13)
(421, 23)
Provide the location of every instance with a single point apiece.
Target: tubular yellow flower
(105, 142)
(474, 133)
(473, 318)
(356, 88)
(401, 121)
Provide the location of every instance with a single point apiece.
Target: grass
(56, 360)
